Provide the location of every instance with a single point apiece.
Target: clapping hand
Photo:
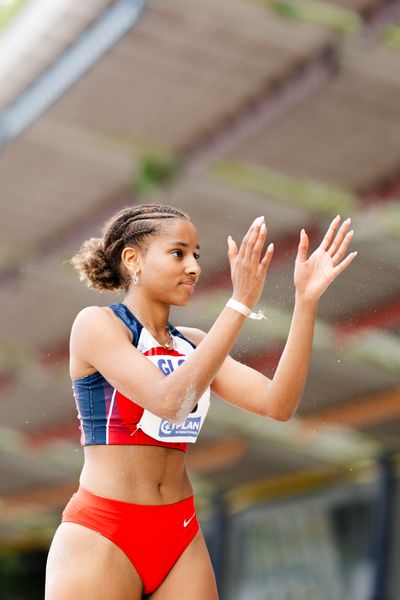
(313, 275)
(248, 265)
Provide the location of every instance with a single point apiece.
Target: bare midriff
(137, 474)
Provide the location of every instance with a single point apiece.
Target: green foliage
(22, 575)
(305, 193)
(154, 172)
(392, 37)
(391, 218)
(9, 11)
(286, 9)
(321, 13)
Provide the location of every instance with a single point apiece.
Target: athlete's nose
(193, 267)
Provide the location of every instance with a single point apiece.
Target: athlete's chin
(181, 299)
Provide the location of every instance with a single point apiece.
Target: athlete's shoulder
(91, 314)
(96, 320)
(193, 334)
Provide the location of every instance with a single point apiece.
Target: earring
(135, 278)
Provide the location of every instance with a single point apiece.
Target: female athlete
(142, 390)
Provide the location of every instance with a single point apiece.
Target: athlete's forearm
(183, 388)
(286, 388)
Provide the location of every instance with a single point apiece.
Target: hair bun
(93, 266)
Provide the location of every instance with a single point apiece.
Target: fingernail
(351, 232)
(263, 227)
(258, 220)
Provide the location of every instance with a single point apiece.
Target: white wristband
(245, 310)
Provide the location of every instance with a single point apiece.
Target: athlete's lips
(190, 284)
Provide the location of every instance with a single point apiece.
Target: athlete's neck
(154, 314)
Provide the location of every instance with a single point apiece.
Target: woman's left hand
(313, 275)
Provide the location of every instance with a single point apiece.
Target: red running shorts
(153, 537)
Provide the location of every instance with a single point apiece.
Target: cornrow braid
(98, 261)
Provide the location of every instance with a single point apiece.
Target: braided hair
(98, 261)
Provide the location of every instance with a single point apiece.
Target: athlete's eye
(178, 253)
(197, 256)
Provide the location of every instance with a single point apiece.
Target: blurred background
(228, 109)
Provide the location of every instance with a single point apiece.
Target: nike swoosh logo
(186, 523)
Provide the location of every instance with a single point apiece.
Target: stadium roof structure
(227, 109)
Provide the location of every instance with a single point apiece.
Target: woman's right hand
(248, 270)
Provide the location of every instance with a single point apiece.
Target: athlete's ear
(131, 259)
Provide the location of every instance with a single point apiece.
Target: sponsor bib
(162, 429)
